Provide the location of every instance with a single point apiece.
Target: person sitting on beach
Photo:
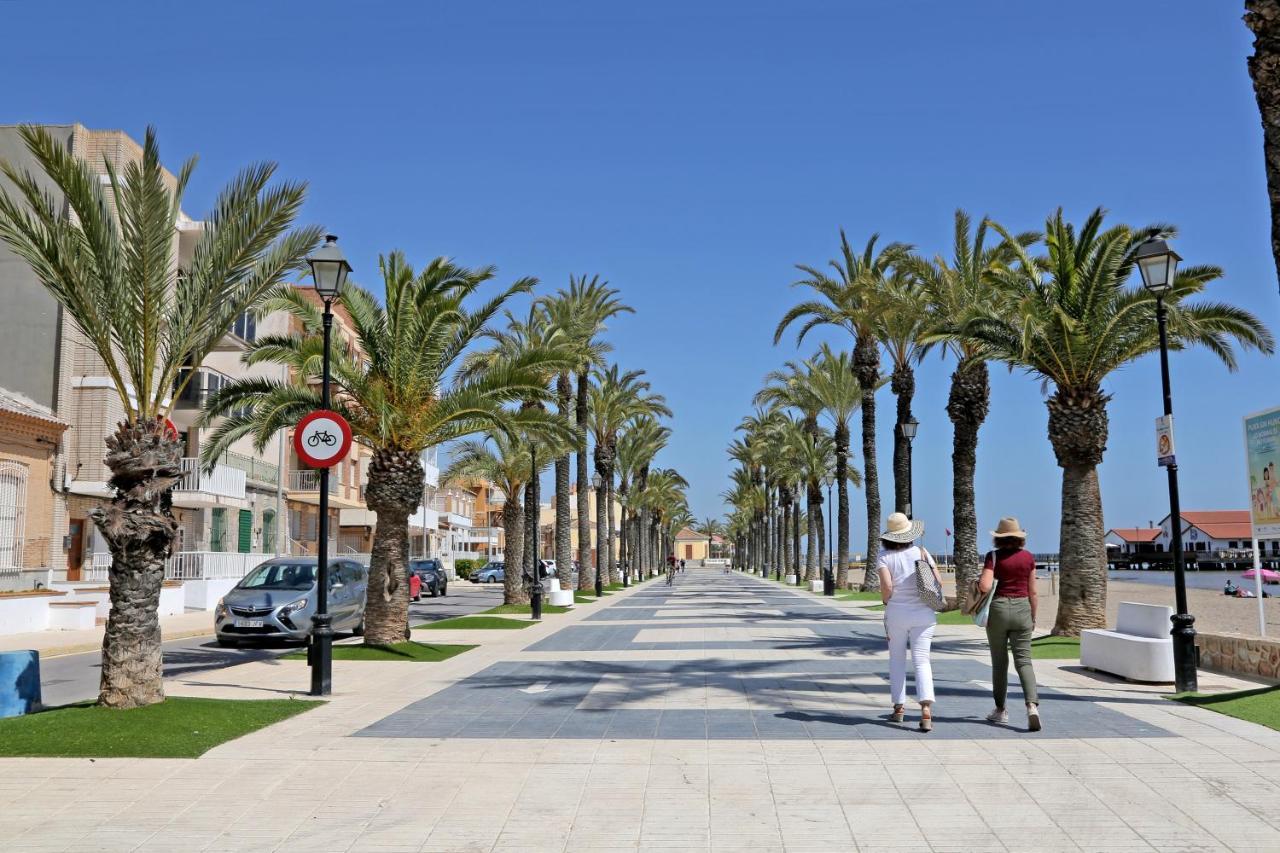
(1230, 588)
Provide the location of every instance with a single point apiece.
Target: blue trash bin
(19, 682)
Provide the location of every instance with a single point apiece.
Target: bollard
(19, 682)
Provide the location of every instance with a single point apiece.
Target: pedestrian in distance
(908, 620)
(1011, 569)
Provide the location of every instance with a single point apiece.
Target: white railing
(223, 480)
(191, 565)
(479, 536)
(309, 481)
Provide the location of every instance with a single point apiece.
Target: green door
(218, 534)
(245, 539)
(268, 532)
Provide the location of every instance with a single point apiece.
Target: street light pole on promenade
(329, 271)
(1158, 264)
(908, 429)
(597, 483)
(828, 574)
(535, 589)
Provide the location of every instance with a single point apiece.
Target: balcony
(479, 536)
(255, 470)
(188, 404)
(190, 565)
(304, 486)
(200, 488)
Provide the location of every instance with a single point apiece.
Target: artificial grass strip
(587, 597)
(523, 609)
(408, 651)
(179, 727)
(475, 623)
(1050, 647)
(1260, 705)
(946, 617)
(856, 595)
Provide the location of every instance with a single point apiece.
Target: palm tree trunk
(513, 591)
(1263, 18)
(842, 506)
(610, 560)
(967, 406)
(866, 359)
(795, 529)
(602, 527)
(1078, 426)
(903, 384)
(140, 529)
(585, 578)
(393, 492)
(532, 523)
(814, 531)
(564, 511)
(624, 553)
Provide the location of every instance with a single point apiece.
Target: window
(13, 510)
(1233, 545)
(245, 327)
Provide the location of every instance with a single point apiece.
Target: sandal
(899, 713)
(926, 718)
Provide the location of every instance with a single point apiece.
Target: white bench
(1139, 649)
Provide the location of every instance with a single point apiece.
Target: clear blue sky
(693, 152)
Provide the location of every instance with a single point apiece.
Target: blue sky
(692, 153)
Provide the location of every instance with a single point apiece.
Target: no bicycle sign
(322, 438)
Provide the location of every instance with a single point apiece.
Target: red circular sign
(322, 439)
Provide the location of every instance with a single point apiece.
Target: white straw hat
(899, 528)
(1009, 526)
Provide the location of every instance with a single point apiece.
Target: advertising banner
(1165, 452)
(1262, 450)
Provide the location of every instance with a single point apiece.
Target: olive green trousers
(1010, 626)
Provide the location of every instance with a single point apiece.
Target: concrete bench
(72, 615)
(1139, 649)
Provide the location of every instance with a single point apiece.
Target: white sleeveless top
(902, 569)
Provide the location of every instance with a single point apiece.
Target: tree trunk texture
(139, 527)
(602, 522)
(866, 362)
(610, 530)
(1078, 427)
(841, 508)
(1263, 18)
(532, 511)
(513, 591)
(903, 385)
(585, 578)
(967, 405)
(795, 529)
(814, 491)
(394, 490)
(564, 511)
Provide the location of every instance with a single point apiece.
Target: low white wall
(204, 595)
(71, 618)
(172, 601)
(19, 615)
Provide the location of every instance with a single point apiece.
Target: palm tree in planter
(962, 287)
(113, 269)
(394, 388)
(710, 527)
(583, 310)
(848, 300)
(1072, 319)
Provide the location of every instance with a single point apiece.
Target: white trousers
(909, 628)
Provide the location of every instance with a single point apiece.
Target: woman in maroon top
(1012, 617)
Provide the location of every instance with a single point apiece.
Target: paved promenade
(726, 713)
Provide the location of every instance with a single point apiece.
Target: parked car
(276, 601)
(491, 573)
(433, 576)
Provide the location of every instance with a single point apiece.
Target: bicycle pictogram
(321, 436)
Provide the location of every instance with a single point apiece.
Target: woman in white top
(908, 621)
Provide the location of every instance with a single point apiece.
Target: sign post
(1262, 454)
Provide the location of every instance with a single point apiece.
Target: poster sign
(1165, 454)
(322, 439)
(1262, 451)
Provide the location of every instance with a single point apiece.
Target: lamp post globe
(329, 268)
(1158, 265)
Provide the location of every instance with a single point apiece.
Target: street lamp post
(1158, 264)
(597, 483)
(829, 575)
(329, 271)
(535, 588)
(907, 429)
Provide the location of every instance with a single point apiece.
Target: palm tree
(834, 382)
(615, 398)
(583, 310)
(639, 443)
(956, 289)
(790, 388)
(847, 300)
(112, 267)
(394, 390)
(904, 319)
(1072, 320)
(1263, 19)
(503, 459)
(813, 457)
(710, 527)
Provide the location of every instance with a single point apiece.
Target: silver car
(276, 601)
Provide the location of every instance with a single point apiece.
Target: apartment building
(547, 521)
(425, 539)
(29, 437)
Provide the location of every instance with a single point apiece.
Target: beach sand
(1214, 611)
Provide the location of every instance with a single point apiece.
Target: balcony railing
(192, 565)
(222, 481)
(309, 481)
(254, 469)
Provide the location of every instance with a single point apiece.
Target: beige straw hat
(1009, 526)
(899, 528)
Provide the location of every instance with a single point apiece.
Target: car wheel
(491, 579)
(358, 631)
(444, 590)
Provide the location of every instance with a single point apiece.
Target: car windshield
(426, 566)
(492, 566)
(280, 576)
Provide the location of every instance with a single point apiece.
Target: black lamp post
(329, 271)
(597, 483)
(828, 574)
(535, 587)
(907, 429)
(1158, 265)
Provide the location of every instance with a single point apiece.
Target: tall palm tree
(962, 287)
(615, 398)
(639, 443)
(112, 268)
(813, 457)
(583, 310)
(394, 389)
(1073, 319)
(790, 388)
(1263, 19)
(847, 300)
(834, 382)
(710, 527)
(903, 324)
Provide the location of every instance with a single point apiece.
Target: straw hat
(1009, 526)
(899, 528)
